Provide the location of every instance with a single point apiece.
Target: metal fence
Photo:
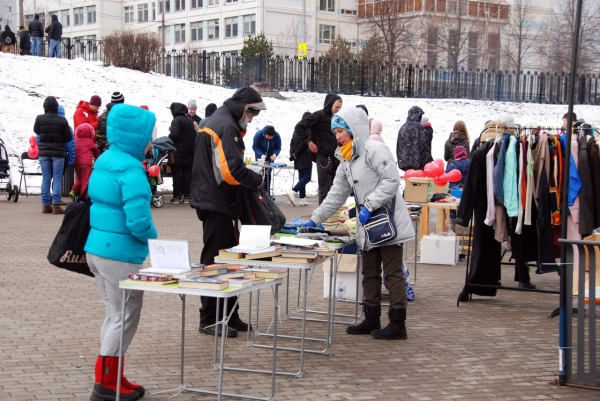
(579, 315)
(357, 78)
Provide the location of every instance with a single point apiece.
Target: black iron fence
(357, 78)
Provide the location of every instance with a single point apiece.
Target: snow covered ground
(26, 81)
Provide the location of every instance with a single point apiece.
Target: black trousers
(182, 177)
(326, 168)
(219, 232)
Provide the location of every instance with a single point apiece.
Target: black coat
(318, 126)
(183, 135)
(53, 130)
(594, 154)
(299, 149)
(586, 195)
(36, 29)
(25, 40)
(413, 149)
(456, 139)
(55, 29)
(8, 37)
(219, 171)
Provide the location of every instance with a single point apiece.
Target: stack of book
(282, 254)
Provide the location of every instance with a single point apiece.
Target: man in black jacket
(218, 176)
(9, 40)
(322, 142)
(36, 30)
(55, 36)
(183, 136)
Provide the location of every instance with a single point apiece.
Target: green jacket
(101, 131)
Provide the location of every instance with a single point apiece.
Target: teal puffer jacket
(120, 217)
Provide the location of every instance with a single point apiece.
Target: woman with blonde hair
(458, 137)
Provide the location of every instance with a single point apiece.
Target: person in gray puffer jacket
(367, 167)
(413, 147)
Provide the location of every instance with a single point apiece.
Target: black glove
(292, 158)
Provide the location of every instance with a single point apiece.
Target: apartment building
(9, 15)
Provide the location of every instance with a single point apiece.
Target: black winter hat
(269, 130)
(117, 97)
(210, 109)
(36, 17)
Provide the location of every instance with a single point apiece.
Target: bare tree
(557, 43)
(521, 36)
(287, 41)
(395, 22)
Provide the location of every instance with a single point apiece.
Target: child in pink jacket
(86, 151)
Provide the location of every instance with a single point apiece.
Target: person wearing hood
(9, 40)
(54, 136)
(321, 141)
(458, 137)
(300, 155)
(87, 112)
(86, 151)
(183, 136)
(413, 149)
(428, 131)
(208, 111)
(55, 36)
(367, 167)
(120, 227)
(36, 30)
(266, 146)
(375, 128)
(24, 41)
(218, 176)
(116, 98)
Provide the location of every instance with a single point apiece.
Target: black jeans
(182, 177)
(326, 168)
(219, 232)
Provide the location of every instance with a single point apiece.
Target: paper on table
(253, 239)
(300, 242)
(168, 256)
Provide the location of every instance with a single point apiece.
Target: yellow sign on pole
(302, 53)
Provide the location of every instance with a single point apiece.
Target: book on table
(168, 257)
(299, 253)
(207, 283)
(269, 273)
(225, 254)
(244, 282)
(240, 274)
(277, 251)
(228, 266)
(292, 260)
(140, 282)
(150, 277)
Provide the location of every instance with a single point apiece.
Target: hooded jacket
(372, 174)
(219, 171)
(86, 149)
(36, 29)
(120, 216)
(55, 29)
(183, 135)
(8, 37)
(456, 139)
(83, 114)
(53, 129)
(25, 39)
(261, 146)
(319, 126)
(413, 149)
(299, 148)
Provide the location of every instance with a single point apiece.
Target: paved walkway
(502, 348)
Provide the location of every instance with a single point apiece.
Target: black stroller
(156, 155)
(6, 182)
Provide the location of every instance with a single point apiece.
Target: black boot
(396, 329)
(372, 321)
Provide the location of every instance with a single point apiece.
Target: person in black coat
(300, 155)
(183, 135)
(315, 131)
(9, 40)
(413, 149)
(55, 35)
(25, 42)
(36, 30)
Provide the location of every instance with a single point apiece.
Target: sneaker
(185, 199)
(302, 202)
(290, 196)
(175, 199)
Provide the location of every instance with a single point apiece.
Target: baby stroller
(6, 183)
(158, 152)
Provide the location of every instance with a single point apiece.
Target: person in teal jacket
(121, 224)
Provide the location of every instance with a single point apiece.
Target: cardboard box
(345, 288)
(439, 250)
(418, 190)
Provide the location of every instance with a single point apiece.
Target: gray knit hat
(192, 104)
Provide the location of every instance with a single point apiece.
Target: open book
(168, 257)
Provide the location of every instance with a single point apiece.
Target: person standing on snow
(9, 40)
(116, 98)
(413, 149)
(36, 30)
(24, 41)
(87, 112)
(183, 136)
(191, 113)
(55, 36)
(458, 137)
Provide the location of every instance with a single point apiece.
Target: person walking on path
(322, 142)
(54, 135)
(458, 137)
(36, 30)
(116, 98)
(367, 168)
(300, 155)
(24, 41)
(121, 225)
(86, 151)
(87, 112)
(219, 175)
(413, 149)
(183, 136)
(55, 36)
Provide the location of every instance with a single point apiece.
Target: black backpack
(259, 209)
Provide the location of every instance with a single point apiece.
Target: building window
(65, 17)
(473, 58)
(179, 33)
(128, 15)
(327, 5)
(91, 14)
(213, 2)
(153, 11)
(179, 5)
(213, 29)
(78, 16)
(164, 6)
(250, 24)
(196, 31)
(432, 47)
(229, 2)
(348, 12)
(231, 27)
(143, 12)
(7, 9)
(197, 4)
(326, 34)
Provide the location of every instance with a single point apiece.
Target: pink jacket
(376, 128)
(85, 145)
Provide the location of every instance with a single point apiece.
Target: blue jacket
(463, 167)
(120, 217)
(263, 147)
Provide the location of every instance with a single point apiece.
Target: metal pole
(304, 41)
(565, 354)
